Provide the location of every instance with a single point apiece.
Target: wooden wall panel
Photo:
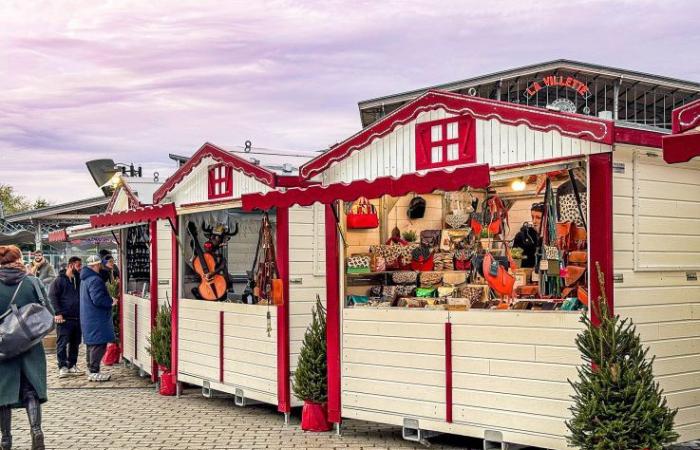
(656, 225)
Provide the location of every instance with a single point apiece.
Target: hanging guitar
(212, 286)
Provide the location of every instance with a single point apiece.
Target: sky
(136, 80)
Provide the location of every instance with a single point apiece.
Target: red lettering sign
(554, 81)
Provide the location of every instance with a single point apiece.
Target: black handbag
(416, 208)
(23, 328)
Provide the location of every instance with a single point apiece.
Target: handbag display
(422, 259)
(454, 278)
(426, 292)
(22, 328)
(405, 290)
(404, 277)
(416, 208)
(497, 276)
(443, 261)
(473, 293)
(358, 264)
(430, 238)
(362, 215)
(458, 219)
(445, 291)
(377, 263)
(430, 279)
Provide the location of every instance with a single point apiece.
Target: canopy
(134, 216)
(476, 176)
(684, 144)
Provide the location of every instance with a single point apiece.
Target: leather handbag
(23, 328)
(578, 257)
(430, 238)
(430, 279)
(416, 208)
(497, 277)
(573, 275)
(564, 232)
(404, 277)
(362, 215)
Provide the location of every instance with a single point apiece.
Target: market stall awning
(134, 216)
(476, 176)
(684, 144)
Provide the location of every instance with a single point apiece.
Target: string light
(518, 185)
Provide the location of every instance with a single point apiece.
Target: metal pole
(37, 237)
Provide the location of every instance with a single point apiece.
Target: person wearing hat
(95, 317)
(109, 271)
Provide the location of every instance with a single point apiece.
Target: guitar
(212, 286)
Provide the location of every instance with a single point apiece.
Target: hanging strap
(12, 301)
(578, 197)
(257, 248)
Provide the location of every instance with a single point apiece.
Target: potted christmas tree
(617, 403)
(159, 348)
(311, 378)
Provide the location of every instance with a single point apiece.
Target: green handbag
(357, 300)
(426, 292)
(571, 304)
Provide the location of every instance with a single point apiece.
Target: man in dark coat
(95, 317)
(65, 298)
(22, 378)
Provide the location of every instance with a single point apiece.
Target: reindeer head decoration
(218, 234)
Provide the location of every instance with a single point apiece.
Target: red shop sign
(560, 81)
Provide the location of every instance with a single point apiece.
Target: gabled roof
(630, 75)
(220, 155)
(123, 187)
(684, 144)
(573, 125)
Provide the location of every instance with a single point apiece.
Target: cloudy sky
(136, 80)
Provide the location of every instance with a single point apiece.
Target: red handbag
(501, 282)
(362, 215)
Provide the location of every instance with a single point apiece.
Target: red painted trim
(573, 125)
(136, 331)
(153, 231)
(686, 117)
(448, 372)
(175, 294)
(283, 389)
(476, 176)
(221, 346)
(600, 225)
(134, 216)
(222, 156)
(633, 136)
(293, 181)
(680, 148)
(332, 316)
(122, 312)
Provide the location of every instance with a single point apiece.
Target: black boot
(34, 415)
(6, 428)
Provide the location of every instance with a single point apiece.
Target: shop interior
(229, 255)
(138, 261)
(520, 244)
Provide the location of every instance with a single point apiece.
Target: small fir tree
(159, 341)
(617, 403)
(311, 378)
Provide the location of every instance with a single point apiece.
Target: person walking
(95, 317)
(22, 378)
(42, 269)
(65, 298)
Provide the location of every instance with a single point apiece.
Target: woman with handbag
(22, 377)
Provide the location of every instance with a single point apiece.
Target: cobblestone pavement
(122, 377)
(128, 414)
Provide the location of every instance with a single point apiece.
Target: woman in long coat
(22, 378)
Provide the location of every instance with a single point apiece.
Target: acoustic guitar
(212, 285)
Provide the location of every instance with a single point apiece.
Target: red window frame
(220, 181)
(465, 141)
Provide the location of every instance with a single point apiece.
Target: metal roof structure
(642, 98)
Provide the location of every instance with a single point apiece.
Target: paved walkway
(128, 414)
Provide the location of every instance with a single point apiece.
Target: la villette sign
(561, 81)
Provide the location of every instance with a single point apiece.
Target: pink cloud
(137, 80)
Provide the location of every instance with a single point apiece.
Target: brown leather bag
(573, 275)
(502, 282)
(578, 257)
